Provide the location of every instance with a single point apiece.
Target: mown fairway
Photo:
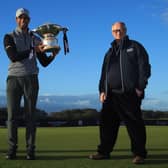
(69, 147)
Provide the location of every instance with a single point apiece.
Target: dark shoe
(99, 156)
(11, 155)
(138, 160)
(30, 156)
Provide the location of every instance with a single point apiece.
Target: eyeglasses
(117, 30)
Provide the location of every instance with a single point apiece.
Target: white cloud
(45, 100)
(157, 9)
(150, 102)
(58, 103)
(82, 103)
(164, 15)
(155, 104)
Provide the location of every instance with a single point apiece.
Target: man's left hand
(139, 92)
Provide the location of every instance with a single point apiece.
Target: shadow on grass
(46, 157)
(51, 157)
(53, 151)
(152, 159)
(149, 149)
(157, 159)
(84, 150)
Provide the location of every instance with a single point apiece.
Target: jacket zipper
(121, 70)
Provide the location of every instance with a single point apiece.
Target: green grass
(69, 147)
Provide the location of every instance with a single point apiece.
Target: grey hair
(122, 23)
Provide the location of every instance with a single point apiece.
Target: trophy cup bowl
(48, 33)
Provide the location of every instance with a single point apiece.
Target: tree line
(88, 115)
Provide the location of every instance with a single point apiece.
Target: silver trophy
(48, 33)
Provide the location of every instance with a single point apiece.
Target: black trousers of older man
(125, 107)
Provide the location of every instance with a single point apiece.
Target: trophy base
(51, 48)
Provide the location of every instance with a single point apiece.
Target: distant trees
(41, 115)
(155, 114)
(72, 117)
(75, 117)
(3, 116)
(75, 114)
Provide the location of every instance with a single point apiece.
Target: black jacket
(134, 67)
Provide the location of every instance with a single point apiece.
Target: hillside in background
(64, 102)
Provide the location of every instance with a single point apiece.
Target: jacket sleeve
(144, 67)
(102, 81)
(11, 50)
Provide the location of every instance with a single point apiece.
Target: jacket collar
(18, 30)
(122, 42)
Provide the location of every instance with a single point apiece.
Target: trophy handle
(65, 41)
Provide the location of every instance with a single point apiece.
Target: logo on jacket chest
(130, 50)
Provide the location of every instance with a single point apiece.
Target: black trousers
(125, 107)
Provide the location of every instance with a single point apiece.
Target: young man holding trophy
(23, 49)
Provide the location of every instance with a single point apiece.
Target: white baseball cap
(22, 11)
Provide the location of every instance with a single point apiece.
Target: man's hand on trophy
(40, 48)
(54, 53)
